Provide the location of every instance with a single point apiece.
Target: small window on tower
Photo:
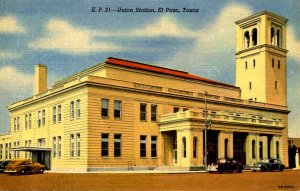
(278, 64)
(275, 85)
(272, 62)
(250, 85)
(253, 63)
(246, 65)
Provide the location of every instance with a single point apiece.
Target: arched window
(247, 39)
(184, 146)
(277, 149)
(278, 38)
(254, 37)
(226, 148)
(253, 149)
(272, 36)
(195, 147)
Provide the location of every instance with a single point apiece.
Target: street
(286, 180)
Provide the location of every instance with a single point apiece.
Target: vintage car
(23, 167)
(3, 165)
(268, 165)
(226, 165)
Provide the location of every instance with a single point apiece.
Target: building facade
(122, 114)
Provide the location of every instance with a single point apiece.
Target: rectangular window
(278, 64)
(143, 139)
(78, 145)
(78, 108)
(72, 145)
(15, 152)
(43, 117)
(54, 146)
(6, 151)
(59, 146)
(26, 153)
(72, 110)
(260, 149)
(18, 123)
(29, 145)
(153, 112)
(26, 121)
(117, 145)
(18, 152)
(275, 85)
(253, 63)
(15, 124)
(54, 115)
(29, 120)
(250, 86)
(153, 146)
(39, 119)
(1, 147)
(41, 142)
(104, 145)
(143, 111)
(117, 109)
(246, 65)
(59, 113)
(104, 107)
(272, 62)
(176, 109)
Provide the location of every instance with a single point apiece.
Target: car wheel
(23, 171)
(239, 170)
(254, 170)
(11, 173)
(263, 168)
(280, 168)
(41, 170)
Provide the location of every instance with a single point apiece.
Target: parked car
(226, 165)
(24, 166)
(3, 165)
(268, 165)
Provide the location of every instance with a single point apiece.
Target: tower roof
(265, 12)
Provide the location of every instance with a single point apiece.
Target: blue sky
(68, 37)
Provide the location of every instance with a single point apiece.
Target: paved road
(287, 180)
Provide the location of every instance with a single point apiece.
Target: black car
(227, 165)
(268, 165)
(3, 165)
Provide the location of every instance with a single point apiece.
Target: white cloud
(164, 26)
(9, 24)
(11, 78)
(293, 45)
(9, 55)
(64, 37)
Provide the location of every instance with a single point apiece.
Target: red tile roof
(161, 70)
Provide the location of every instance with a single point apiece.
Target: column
(252, 148)
(223, 139)
(297, 159)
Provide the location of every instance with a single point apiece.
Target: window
(247, 39)
(253, 63)
(39, 119)
(15, 124)
(195, 147)
(41, 142)
(72, 110)
(26, 121)
(260, 149)
(72, 145)
(153, 112)
(1, 147)
(54, 115)
(29, 145)
(143, 139)
(153, 146)
(273, 62)
(78, 108)
(253, 149)
(29, 122)
(226, 148)
(15, 152)
(43, 117)
(18, 123)
(59, 113)
(254, 37)
(184, 146)
(272, 36)
(175, 109)
(275, 85)
(59, 146)
(78, 144)
(143, 111)
(278, 64)
(104, 107)
(250, 85)
(278, 38)
(54, 146)
(26, 144)
(104, 145)
(18, 152)
(117, 145)
(246, 65)
(6, 151)
(277, 149)
(117, 109)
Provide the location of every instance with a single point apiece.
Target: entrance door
(239, 149)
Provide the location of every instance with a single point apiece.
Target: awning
(31, 149)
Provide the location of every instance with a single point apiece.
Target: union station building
(122, 114)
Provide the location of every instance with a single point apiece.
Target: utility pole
(205, 131)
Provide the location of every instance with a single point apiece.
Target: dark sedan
(268, 165)
(227, 165)
(3, 165)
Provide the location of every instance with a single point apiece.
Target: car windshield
(265, 160)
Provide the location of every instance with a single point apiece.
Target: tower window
(246, 65)
(247, 39)
(272, 62)
(272, 36)
(253, 63)
(254, 37)
(278, 64)
(275, 85)
(250, 86)
(278, 38)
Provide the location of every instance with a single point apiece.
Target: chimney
(40, 79)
